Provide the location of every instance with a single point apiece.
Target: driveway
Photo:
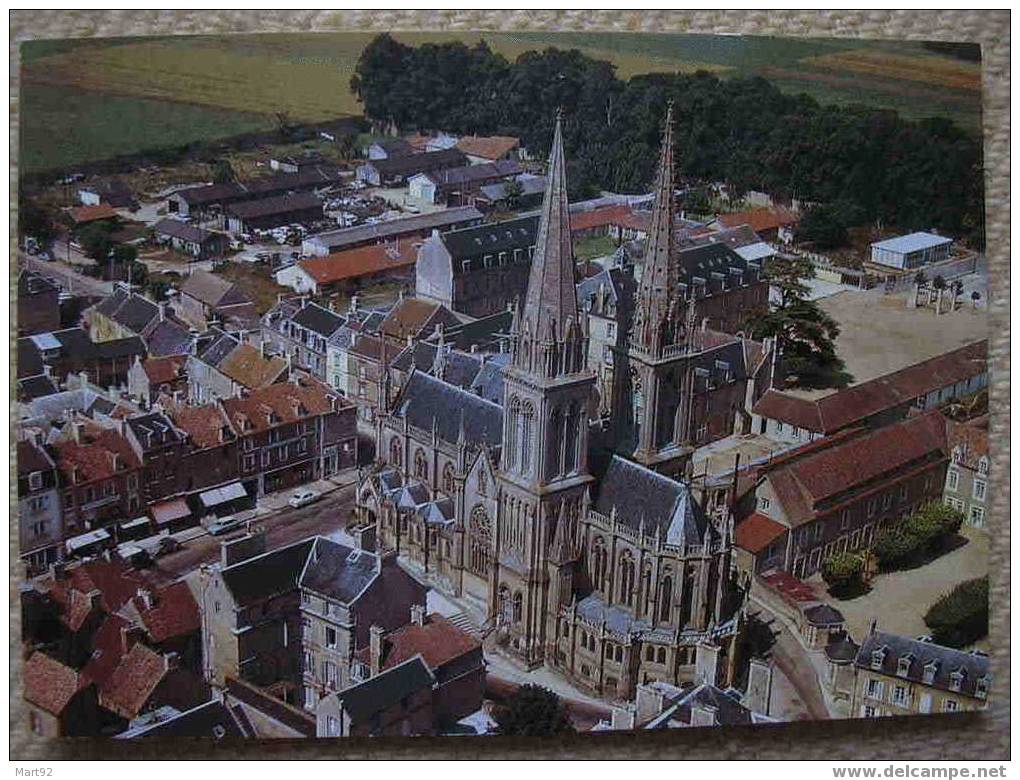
(898, 600)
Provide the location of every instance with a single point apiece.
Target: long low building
(351, 268)
(197, 199)
(395, 171)
(274, 212)
(925, 385)
(196, 242)
(417, 226)
(460, 185)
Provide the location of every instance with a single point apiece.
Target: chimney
(410, 340)
(262, 348)
(375, 645)
(354, 302)
(162, 312)
(145, 596)
(649, 703)
(172, 661)
(418, 614)
(704, 714)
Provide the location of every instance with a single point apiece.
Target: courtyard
(899, 599)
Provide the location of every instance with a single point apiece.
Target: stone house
(348, 595)
(40, 523)
(895, 675)
(300, 329)
(967, 478)
(206, 297)
(834, 494)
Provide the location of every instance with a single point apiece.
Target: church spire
(655, 315)
(551, 299)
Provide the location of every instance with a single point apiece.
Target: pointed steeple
(550, 305)
(655, 310)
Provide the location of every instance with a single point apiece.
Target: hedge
(960, 617)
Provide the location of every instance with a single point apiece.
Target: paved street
(327, 516)
(70, 281)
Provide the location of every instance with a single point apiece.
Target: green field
(92, 99)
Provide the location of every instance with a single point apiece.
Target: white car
(304, 497)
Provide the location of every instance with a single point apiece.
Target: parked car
(304, 497)
(226, 524)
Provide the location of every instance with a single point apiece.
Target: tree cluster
(918, 537)
(866, 163)
(960, 617)
(844, 573)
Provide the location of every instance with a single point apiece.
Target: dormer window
(956, 680)
(903, 665)
(930, 670)
(981, 688)
(878, 658)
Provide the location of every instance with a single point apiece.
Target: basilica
(563, 511)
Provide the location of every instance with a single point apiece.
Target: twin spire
(655, 316)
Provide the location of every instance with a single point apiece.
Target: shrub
(843, 572)
(960, 617)
(923, 533)
(896, 546)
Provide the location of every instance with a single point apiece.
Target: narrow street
(68, 280)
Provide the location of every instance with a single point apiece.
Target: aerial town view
(463, 384)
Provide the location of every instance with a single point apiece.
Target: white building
(911, 251)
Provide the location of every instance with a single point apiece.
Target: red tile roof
(100, 454)
(359, 262)
(438, 641)
(82, 214)
(801, 484)
(174, 613)
(757, 532)
(49, 684)
(284, 402)
(493, 147)
(164, 370)
(206, 426)
(108, 648)
(130, 685)
(760, 219)
(789, 587)
(621, 216)
(855, 404)
(115, 581)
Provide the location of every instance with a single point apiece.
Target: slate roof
(31, 458)
(306, 178)
(946, 659)
(664, 505)
(468, 246)
(854, 404)
(318, 319)
(823, 615)
(267, 575)
(153, 430)
(32, 283)
(426, 401)
(279, 204)
(339, 572)
(395, 147)
(385, 690)
(185, 231)
(208, 288)
(212, 719)
(530, 186)
(50, 684)
(217, 349)
(409, 165)
(728, 711)
(469, 174)
(34, 387)
(335, 240)
(132, 311)
(842, 648)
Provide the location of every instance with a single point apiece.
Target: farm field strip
(935, 71)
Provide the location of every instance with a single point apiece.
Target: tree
(823, 227)
(348, 146)
(512, 193)
(806, 335)
(95, 239)
(919, 536)
(123, 254)
(960, 617)
(35, 221)
(844, 573)
(974, 298)
(223, 172)
(533, 711)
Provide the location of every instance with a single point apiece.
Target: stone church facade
(587, 561)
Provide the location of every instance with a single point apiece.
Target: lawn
(123, 95)
(590, 247)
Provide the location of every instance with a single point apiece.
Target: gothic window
(503, 600)
(513, 423)
(665, 597)
(480, 532)
(687, 600)
(518, 606)
(627, 579)
(646, 588)
(571, 437)
(598, 564)
(395, 452)
(448, 479)
(555, 443)
(527, 435)
(421, 466)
